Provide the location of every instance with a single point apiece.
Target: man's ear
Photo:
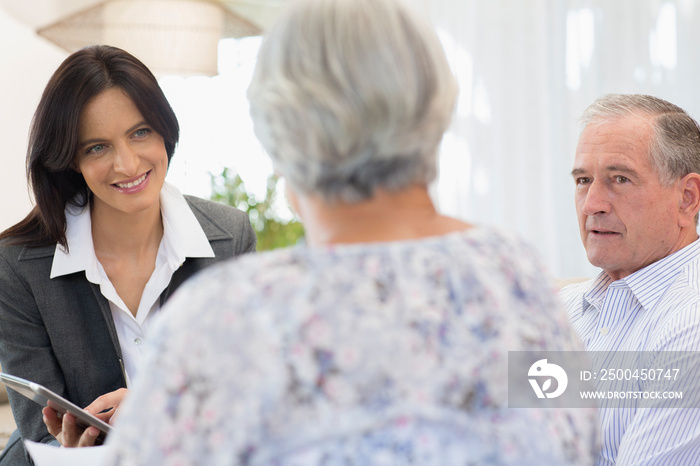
(690, 200)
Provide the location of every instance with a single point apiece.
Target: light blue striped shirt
(655, 309)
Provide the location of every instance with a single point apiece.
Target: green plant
(273, 232)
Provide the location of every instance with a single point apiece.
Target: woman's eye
(96, 149)
(142, 132)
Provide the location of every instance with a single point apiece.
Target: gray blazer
(60, 332)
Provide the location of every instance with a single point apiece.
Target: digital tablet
(46, 397)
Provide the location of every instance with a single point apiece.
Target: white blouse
(182, 237)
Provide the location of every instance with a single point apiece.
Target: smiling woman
(124, 163)
(83, 275)
(119, 154)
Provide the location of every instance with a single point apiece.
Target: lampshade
(169, 36)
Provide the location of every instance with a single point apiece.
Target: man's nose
(596, 199)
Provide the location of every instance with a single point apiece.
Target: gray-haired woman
(385, 339)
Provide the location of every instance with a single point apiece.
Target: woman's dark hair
(53, 139)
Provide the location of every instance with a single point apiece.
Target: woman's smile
(133, 185)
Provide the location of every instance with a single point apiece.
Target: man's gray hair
(352, 95)
(675, 144)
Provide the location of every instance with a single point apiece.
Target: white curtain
(527, 70)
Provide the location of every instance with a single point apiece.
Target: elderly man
(637, 199)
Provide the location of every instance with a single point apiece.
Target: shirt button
(137, 341)
(604, 331)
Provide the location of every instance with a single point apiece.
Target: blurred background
(526, 68)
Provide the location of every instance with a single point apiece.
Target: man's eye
(582, 180)
(621, 179)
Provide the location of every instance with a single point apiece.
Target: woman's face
(123, 160)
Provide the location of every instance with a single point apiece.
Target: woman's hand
(66, 431)
(105, 407)
(69, 434)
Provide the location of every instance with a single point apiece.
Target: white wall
(26, 63)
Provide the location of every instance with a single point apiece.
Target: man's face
(627, 218)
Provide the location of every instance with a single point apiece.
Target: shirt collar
(596, 291)
(647, 284)
(80, 254)
(182, 235)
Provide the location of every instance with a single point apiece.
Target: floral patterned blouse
(371, 354)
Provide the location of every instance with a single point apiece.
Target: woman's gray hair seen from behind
(350, 96)
(675, 146)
